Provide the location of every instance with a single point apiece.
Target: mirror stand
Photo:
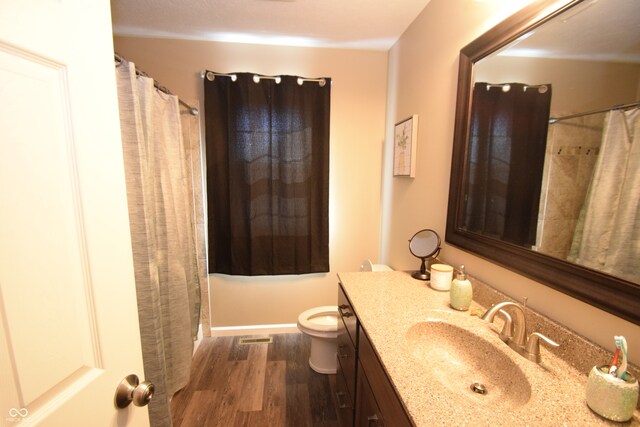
(424, 273)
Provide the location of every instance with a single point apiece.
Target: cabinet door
(367, 411)
(348, 315)
(346, 354)
(387, 399)
(344, 400)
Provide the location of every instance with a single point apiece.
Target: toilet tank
(367, 265)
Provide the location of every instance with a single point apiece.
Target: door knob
(131, 389)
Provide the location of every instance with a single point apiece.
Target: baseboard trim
(226, 331)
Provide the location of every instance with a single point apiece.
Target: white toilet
(367, 265)
(321, 324)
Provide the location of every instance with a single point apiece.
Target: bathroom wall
(358, 102)
(423, 70)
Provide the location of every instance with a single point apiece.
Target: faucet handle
(532, 351)
(507, 329)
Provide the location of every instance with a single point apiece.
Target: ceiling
(362, 24)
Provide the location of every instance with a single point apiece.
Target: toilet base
(323, 357)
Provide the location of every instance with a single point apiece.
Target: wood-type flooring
(255, 385)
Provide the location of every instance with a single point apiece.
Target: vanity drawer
(344, 400)
(347, 315)
(347, 358)
(388, 401)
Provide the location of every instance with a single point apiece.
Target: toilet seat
(319, 321)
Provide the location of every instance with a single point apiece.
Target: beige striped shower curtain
(161, 220)
(607, 237)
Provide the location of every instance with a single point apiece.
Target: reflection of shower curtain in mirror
(607, 236)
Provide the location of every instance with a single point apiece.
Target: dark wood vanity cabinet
(389, 411)
(347, 359)
(367, 412)
(364, 392)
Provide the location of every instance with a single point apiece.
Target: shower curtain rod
(553, 120)
(210, 75)
(506, 87)
(192, 110)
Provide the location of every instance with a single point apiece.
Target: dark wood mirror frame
(615, 295)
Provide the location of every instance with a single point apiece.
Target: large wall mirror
(546, 158)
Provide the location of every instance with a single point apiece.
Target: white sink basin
(458, 358)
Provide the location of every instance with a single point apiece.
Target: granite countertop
(390, 304)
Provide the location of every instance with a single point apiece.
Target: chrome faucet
(514, 332)
(507, 328)
(519, 324)
(532, 352)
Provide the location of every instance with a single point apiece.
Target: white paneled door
(68, 314)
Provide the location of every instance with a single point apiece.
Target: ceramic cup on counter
(441, 276)
(611, 397)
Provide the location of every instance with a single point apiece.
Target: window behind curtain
(267, 157)
(506, 158)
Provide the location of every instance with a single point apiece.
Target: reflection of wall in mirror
(578, 85)
(572, 145)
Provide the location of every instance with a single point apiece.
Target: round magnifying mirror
(424, 244)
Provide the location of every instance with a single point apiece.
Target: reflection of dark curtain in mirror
(506, 156)
(267, 150)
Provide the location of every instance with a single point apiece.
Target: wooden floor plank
(275, 394)
(198, 409)
(243, 419)
(216, 353)
(238, 352)
(278, 348)
(252, 388)
(322, 411)
(298, 413)
(179, 404)
(255, 385)
(297, 357)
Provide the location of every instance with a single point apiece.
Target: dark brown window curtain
(506, 157)
(267, 157)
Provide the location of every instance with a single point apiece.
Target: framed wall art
(405, 138)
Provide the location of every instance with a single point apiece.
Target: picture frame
(405, 138)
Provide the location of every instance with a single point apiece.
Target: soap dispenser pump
(461, 292)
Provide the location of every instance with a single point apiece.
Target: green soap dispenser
(461, 292)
